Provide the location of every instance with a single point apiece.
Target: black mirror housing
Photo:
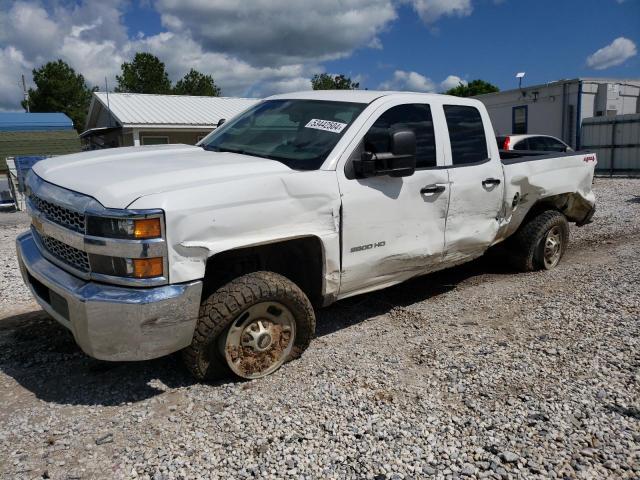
(399, 162)
(403, 143)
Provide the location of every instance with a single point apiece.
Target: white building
(127, 119)
(558, 108)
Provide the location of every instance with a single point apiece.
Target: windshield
(298, 133)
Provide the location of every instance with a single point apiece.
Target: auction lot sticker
(326, 125)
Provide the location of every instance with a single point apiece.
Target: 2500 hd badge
(367, 247)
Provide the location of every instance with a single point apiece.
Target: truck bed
(563, 180)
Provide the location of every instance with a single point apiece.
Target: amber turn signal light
(147, 267)
(147, 228)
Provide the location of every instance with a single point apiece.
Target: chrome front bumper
(112, 322)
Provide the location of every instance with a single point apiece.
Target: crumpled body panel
(563, 182)
(212, 218)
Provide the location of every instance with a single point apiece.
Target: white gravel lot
(476, 372)
(14, 295)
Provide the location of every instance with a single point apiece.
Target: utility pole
(26, 93)
(106, 87)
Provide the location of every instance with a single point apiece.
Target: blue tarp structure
(23, 166)
(24, 122)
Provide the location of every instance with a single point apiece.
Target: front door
(393, 228)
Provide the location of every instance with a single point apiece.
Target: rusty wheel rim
(259, 340)
(552, 247)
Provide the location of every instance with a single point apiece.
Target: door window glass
(466, 133)
(522, 145)
(415, 117)
(538, 143)
(554, 145)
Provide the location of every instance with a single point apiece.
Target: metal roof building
(36, 134)
(126, 119)
(23, 122)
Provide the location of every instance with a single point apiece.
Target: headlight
(147, 267)
(126, 228)
(127, 244)
(127, 267)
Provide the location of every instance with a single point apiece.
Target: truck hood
(116, 177)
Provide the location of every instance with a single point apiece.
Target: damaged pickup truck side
(223, 249)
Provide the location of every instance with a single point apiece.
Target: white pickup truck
(223, 249)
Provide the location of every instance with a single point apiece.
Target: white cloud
(89, 36)
(250, 48)
(279, 32)
(236, 77)
(616, 53)
(430, 11)
(257, 48)
(451, 81)
(295, 84)
(12, 66)
(410, 81)
(29, 26)
(416, 82)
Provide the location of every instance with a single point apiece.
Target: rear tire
(250, 327)
(540, 243)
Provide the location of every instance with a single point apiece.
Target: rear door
(475, 176)
(393, 228)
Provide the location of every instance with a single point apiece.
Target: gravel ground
(14, 295)
(476, 372)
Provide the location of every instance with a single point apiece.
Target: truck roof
(356, 96)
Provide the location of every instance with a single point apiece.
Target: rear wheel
(250, 327)
(540, 243)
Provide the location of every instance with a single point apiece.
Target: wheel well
(556, 202)
(300, 260)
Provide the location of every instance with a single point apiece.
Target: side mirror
(221, 121)
(399, 162)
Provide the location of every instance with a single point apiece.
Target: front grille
(60, 215)
(66, 253)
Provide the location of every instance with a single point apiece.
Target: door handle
(490, 182)
(434, 188)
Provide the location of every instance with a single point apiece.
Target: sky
(256, 48)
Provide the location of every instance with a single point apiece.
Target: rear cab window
(466, 134)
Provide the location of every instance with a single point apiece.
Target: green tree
(60, 89)
(145, 74)
(324, 81)
(474, 87)
(198, 84)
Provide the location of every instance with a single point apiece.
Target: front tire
(250, 327)
(540, 243)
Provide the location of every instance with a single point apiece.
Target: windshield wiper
(222, 149)
(245, 152)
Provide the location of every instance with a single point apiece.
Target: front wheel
(540, 243)
(250, 327)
